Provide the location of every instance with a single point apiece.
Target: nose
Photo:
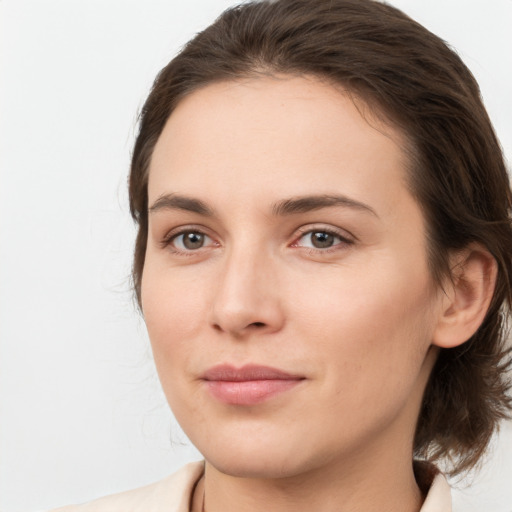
(247, 295)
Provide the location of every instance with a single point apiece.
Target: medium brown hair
(457, 174)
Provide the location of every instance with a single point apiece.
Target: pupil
(193, 240)
(322, 240)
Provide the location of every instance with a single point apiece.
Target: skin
(355, 320)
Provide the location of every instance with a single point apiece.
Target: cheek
(173, 309)
(372, 324)
(372, 352)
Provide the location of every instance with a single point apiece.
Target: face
(286, 290)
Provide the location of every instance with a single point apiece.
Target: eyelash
(167, 241)
(344, 241)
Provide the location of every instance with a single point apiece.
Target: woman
(323, 262)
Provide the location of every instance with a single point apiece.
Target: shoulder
(439, 496)
(435, 487)
(174, 492)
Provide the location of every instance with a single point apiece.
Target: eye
(190, 241)
(321, 239)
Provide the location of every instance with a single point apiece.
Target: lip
(248, 385)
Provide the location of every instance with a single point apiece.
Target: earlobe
(467, 296)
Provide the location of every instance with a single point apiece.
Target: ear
(467, 296)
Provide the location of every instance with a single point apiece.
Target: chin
(269, 458)
(256, 465)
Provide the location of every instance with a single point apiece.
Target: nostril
(257, 324)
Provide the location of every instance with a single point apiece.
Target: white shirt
(173, 494)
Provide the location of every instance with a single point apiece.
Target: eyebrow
(178, 202)
(305, 204)
(294, 205)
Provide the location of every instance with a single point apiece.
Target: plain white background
(82, 413)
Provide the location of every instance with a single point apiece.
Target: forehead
(279, 135)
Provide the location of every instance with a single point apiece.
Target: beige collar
(173, 494)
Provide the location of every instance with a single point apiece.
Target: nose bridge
(246, 294)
